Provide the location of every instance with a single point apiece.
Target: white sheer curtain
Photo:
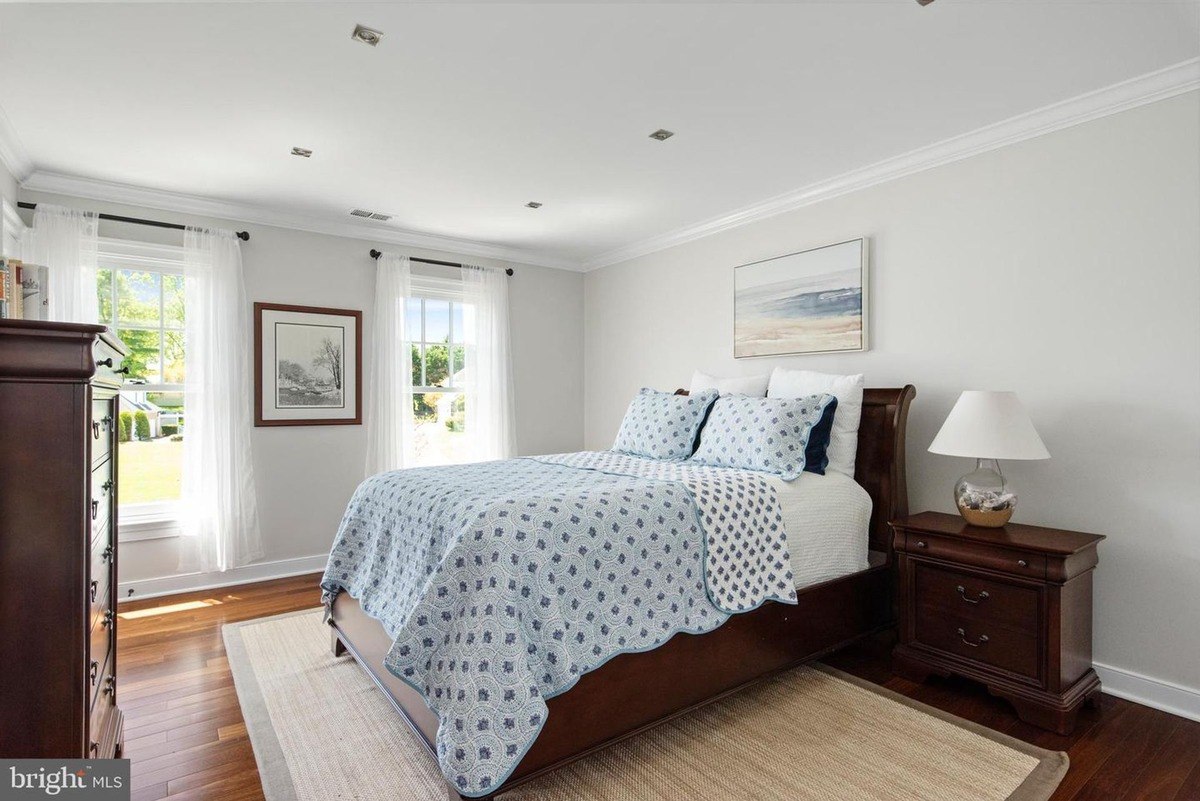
(389, 393)
(489, 414)
(220, 509)
(64, 240)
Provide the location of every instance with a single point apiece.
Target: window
(140, 295)
(436, 320)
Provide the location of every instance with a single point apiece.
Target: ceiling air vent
(370, 215)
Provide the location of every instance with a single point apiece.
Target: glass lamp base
(983, 497)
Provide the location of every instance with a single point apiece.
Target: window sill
(138, 528)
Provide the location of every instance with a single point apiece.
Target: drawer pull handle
(921, 544)
(106, 554)
(122, 371)
(95, 508)
(962, 635)
(983, 596)
(95, 669)
(110, 685)
(1022, 563)
(95, 747)
(106, 486)
(104, 362)
(95, 585)
(108, 618)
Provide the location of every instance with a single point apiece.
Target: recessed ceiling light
(368, 36)
(662, 134)
(302, 152)
(533, 204)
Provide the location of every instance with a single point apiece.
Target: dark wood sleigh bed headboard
(879, 466)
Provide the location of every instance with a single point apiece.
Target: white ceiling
(465, 112)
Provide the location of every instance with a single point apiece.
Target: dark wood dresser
(58, 543)
(1010, 607)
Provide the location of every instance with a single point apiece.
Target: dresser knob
(106, 486)
(108, 618)
(1022, 563)
(95, 668)
(921, 544)
(95, 747)
(106, 554)
(983, 596)
(104, 362)
(110, 685)
(962, 635)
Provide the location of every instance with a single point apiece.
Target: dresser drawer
(981, 642)
(101, 738)
(100, 677)
(108, 362)
(99, 595)
(102, 427)
(103, 497)
(1007, 560)
(101, 637)
(978, 597)
(102, 559)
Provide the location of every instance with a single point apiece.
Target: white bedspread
(827, 519)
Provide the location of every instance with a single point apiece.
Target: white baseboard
(1156, 693)
(189, 582)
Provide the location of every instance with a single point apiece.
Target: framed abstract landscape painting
(814, 301)
(307, 365)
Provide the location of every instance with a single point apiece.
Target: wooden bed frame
(636, 691)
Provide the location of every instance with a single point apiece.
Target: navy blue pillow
(816, 458)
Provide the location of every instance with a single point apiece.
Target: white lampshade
(989, 425)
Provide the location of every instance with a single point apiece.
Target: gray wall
(1066, 268)
(305, 475)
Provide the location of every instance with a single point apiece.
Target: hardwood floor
(186, 739)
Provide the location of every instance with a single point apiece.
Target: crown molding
(1148, 88)
(12, 152)
(127, 194)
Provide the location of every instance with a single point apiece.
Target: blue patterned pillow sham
(661, 425)
(767, 434)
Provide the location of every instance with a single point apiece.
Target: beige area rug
(322, 730)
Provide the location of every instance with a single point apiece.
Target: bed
(637, 690)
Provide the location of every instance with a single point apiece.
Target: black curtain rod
(375, 254)
(242, 235)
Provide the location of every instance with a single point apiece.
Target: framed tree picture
(814, 301)
(307, 366)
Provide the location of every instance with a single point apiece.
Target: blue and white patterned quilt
(504, 582)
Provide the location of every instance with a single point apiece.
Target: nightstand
(1010, 607)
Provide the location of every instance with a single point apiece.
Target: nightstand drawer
(977, 597)
(985, 643)
(1007, 560)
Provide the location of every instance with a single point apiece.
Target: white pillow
(848, 389)
(754, 386)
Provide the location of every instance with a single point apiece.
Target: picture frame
(307, 365)
(808, 302)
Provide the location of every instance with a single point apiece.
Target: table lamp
(987, 427)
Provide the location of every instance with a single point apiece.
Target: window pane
(138, 298)
(104, 279)
(437, 367)
(457, 354)
(150, 453)
(172, 357)
(439, 435)
(412, 319)
(456, 312)
(143, 360)
(437, 320)
(173, 308)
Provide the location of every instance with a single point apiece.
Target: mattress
(827, 519)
